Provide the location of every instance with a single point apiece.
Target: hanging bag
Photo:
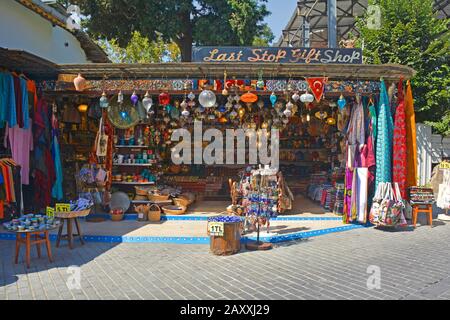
(393, 207)
(102, 141)
(375, 210)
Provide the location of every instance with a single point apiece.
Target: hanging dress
(399, 170)
(383, 150)
(411, 143)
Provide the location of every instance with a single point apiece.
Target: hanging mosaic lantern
(307, 97)
(222, 109)
(207, 98)
(233, 115)
(164, 99)
(260, 103)
(104, 103)
(147, 102)
(331, 121)
(289, 105)
(341, 102)
(273, 98)
(287, 113)
(191, 96)
(134, 98)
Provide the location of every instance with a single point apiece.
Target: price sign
(216, 229)
(62, 207)
(50, 212)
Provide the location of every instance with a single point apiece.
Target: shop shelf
(134, 183)
(133, 164)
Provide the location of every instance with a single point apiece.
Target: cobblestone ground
(413, 264)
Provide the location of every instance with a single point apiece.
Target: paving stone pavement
(412, 264)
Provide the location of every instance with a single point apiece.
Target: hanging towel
(411, 144)
(383, 152)
(399, 170)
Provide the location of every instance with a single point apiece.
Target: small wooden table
(29, 238)
(69, 235)
(68, 218)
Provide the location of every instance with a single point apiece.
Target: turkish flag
(317, 86)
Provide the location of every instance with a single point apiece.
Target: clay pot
(79, 83)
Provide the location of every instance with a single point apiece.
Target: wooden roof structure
(30, 64)
(241, 70)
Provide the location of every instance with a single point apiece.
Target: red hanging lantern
(164, 99)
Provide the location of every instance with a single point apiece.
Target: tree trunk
(185, 40)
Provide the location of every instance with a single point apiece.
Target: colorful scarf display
(411, 143)
(399, 171)
(384, 139)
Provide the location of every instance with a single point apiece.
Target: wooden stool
(25, 238)
(428, 209)
(69, 236)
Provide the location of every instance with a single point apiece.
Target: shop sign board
(50, 212)
(215, 229)
(62, 207)
(277, 55)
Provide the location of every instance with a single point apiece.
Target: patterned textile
(356, 130)
(411, 144)
(383, 150)
(399, 170)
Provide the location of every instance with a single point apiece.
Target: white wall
(23, 29)
(430, 150)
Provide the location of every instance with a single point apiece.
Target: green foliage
(203, 22)
(141, 50)
(412, 35)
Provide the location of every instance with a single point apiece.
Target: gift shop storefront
(104, 139)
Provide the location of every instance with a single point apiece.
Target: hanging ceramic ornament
(273, 98)
(241, 113)
(237, 98)
(260, 103)
(134, 98)
(185, 113)
(233, 115)
(191, 96)
(80, 83)
(225, 92)
(164, 99)
(207, 98)
(287, 113)
(104, 103)
(147, 102)
(341, 102)
(295, 97)
(289, 105)
(120, 97)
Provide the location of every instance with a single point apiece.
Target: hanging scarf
(384, 139)
(399, 170)
(356, 130)
(411, 144)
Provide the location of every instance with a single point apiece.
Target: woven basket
(157, 197)
(117, 217)
(174, 210)
(72, 214)
(181, 202)
(141, 191)
(154, 214)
